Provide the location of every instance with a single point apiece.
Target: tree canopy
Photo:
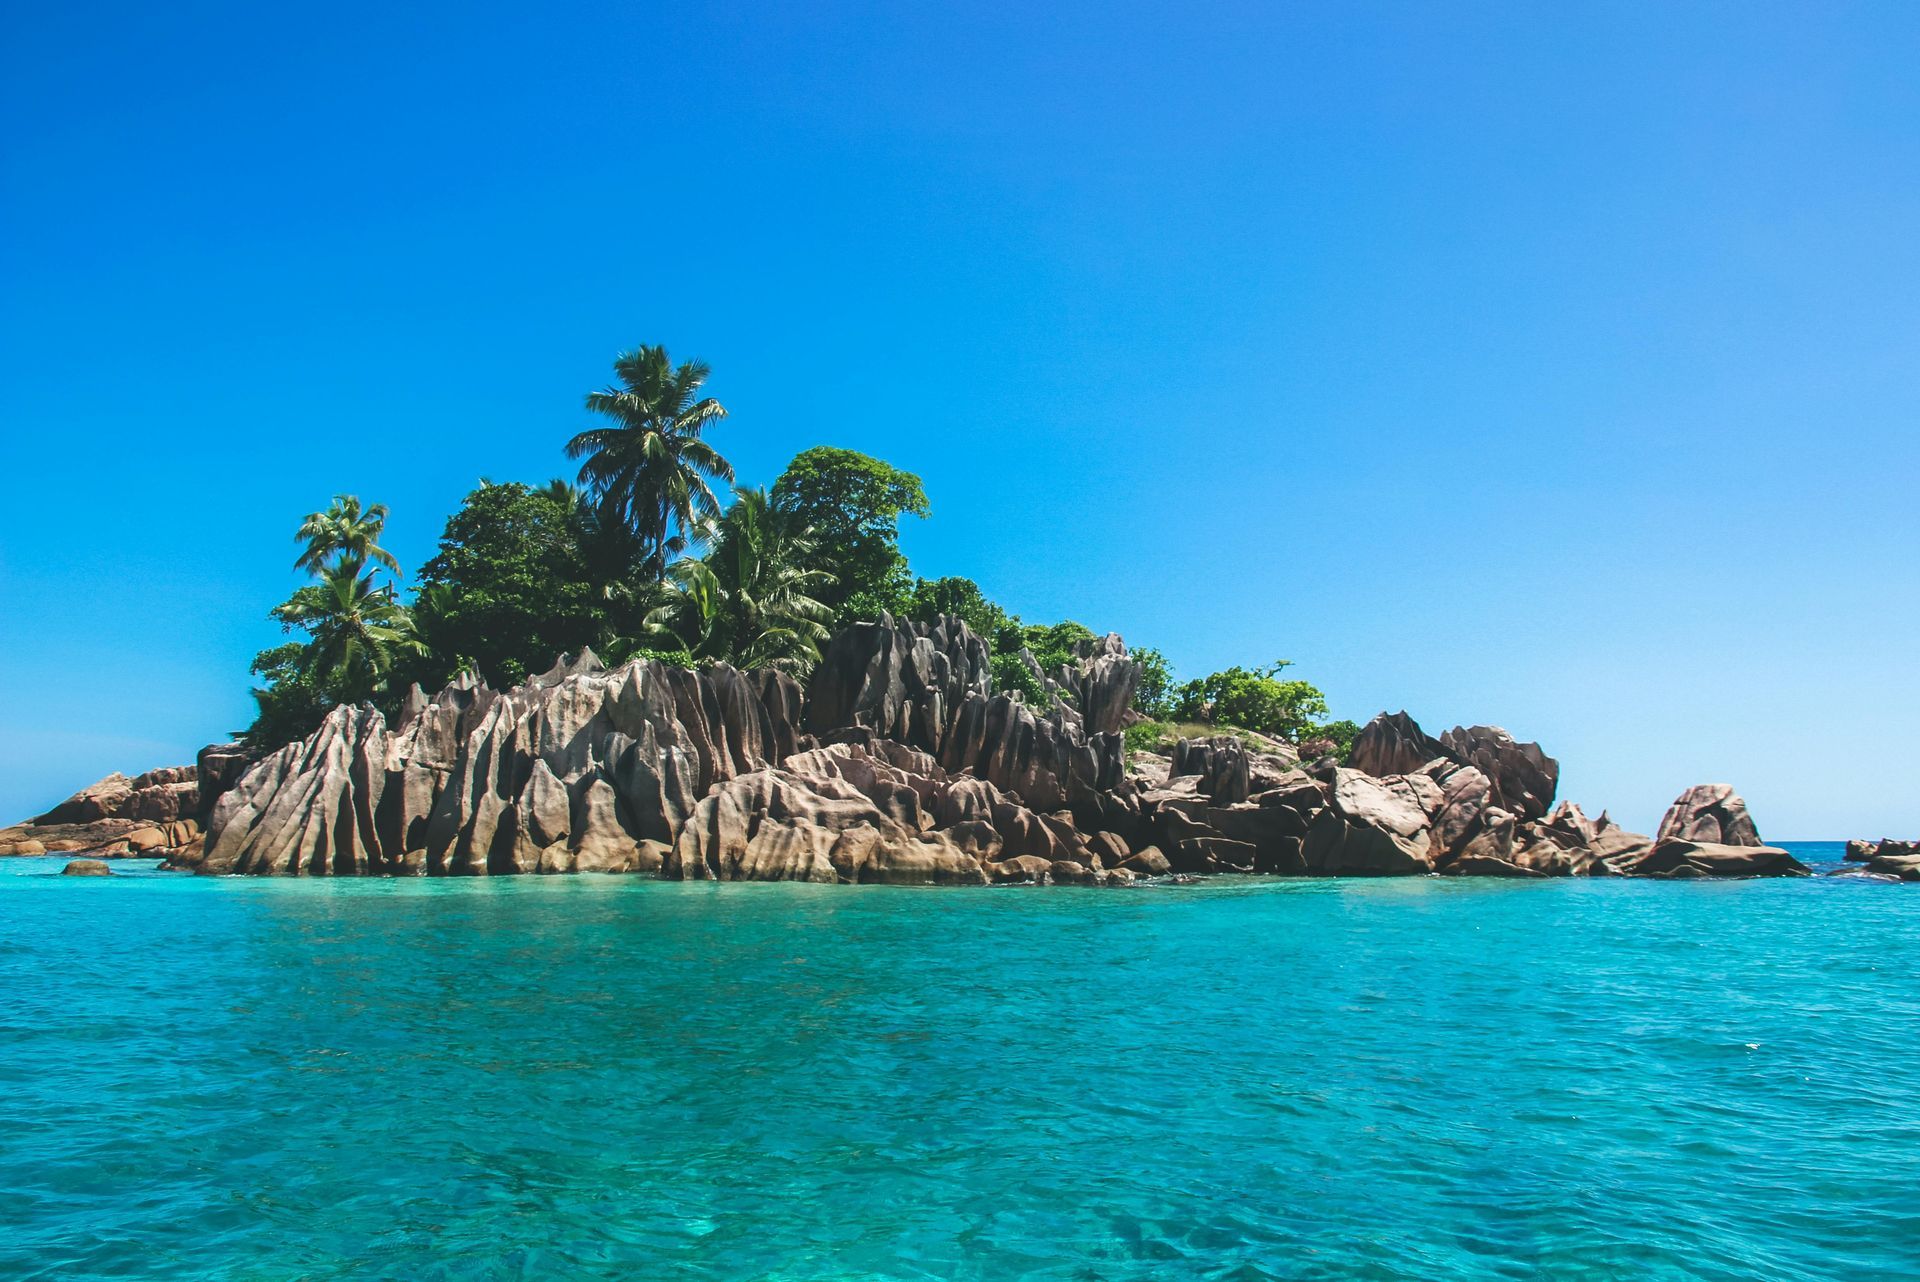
(649, 471)
(853, 503)
(641, 558)
(511, 586)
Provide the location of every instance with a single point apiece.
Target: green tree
(344, 533)
(510, 588)
(357, 632)
(750, 601)
(1053, 643)
(649, 471)
(1254, 699)
(1153, 698)
(852, 504)
(288, 705)
(931, 598)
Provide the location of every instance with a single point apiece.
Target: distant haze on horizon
(1551, 367)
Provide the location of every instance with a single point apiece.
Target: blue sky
(1550, 366)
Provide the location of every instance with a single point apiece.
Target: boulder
(1903, 864)
(218, 767)
(100, 800)
(1523, 777)
(1374, 827)
(86, 868)
(1147, 863)
(1393, 744)
(1679, 857)
(1711, 813)
(1221, 762)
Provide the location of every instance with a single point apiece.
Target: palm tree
(749, 601)
(648, 471)
(344, 533)
(357, 630)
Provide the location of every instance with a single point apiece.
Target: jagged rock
(1050, 763)
(1709, 812)
(1524, 778)
(582, 769)
(1100, 683)
(1220, 761)
(925, 776)
(841, 813)
(1462, 816)
(901, 680)
(1393, 744)
(86, 868)
(1679, 857)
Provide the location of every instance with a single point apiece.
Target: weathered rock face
(1393, 744)
(159, 795)
(1375, 827)
(1524, 778)
(903, 681)
(579, 770)
(1678, 857)
(1100, 684)
(1709, 812)
(1221, 762)
(900, 765)
(86, 868)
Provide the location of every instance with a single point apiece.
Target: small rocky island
(897, 763)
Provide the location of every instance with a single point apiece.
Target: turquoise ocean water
(585, 1077)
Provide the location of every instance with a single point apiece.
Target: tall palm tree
(345, 533)
(358, 630)
(749, 600)
(649, 470)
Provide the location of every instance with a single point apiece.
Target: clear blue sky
(1549, 365)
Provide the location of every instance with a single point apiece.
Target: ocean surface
(586, 1077)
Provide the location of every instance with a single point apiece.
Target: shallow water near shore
(610, 1077)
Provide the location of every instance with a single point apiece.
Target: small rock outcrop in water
(1710, 812)
(158, 813)
(897, 763)
(1887, 857)
(86, 868)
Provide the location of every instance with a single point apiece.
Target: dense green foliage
(511, 588)
(357, 631)
(1254, 698)
(641, 559)
(853, 503)
(649, 471)
(1153, 698)
(750, 601)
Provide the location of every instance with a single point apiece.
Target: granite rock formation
(898, 762)
(1887, 858)
(1522, 778)
(1709, 812)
